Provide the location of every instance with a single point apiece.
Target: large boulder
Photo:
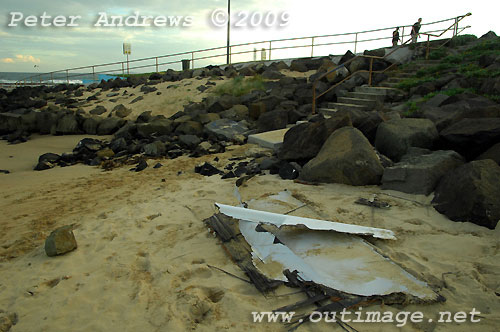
(45, 122)
(110, 125)
(155, 149)
(420, 174)
(189, 128)
(470, 193)
(394, 137)
(9, 122)
(471, 137)
(492, 153)
(346, 157)
(67, 125)
(277, 119)
(226, 129)
(304, 141)
(90, 125)
(155, 128)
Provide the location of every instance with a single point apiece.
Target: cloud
(21, 58)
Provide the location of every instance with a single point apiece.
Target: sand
(143, 256)
(145, 259)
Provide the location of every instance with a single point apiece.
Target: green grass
(438, 54)
(462, 40)
(240, 86)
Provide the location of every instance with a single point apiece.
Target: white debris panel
(337, 258)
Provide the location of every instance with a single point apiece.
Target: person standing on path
(414, 30)
(395, 37)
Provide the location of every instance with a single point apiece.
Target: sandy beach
(145, 259)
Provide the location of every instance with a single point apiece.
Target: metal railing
(271, 47)
(456, 31)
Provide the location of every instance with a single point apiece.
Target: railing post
(230, 55)
(93, 74)
(356, 43)
(192, 60)
(312, 46)
(428, 47)
(67, 76)
(123, 68)
(156, 59)
(455, 30)
(403, 36)
(270, 48)
(370, 75)
(314, 99)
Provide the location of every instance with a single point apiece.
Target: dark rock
(90, 125)
(207, 117)
(289, 171)
(99, 110)
(67, 125)
(423, 89)
(43, 165)
(155, 149)
(370, 124)
(256, 109)
(394, 137)
(45, 122)
(437, 100)
(190, 141)
(189, 128)
(121, 111)
(147, 89)
(155, 128)
(235, 113)
(142, 165)
(158, 165)
(137, 99)
(49, 157)
(90, 144)
(346, 57)
(207, 170)
(470, 193)
(346, 157)
(273, 120)
(420, 174)
(226, 129)
(358, 64)
(60, 241)
(144, 117)
(272, 74)
(298, 65)
(118, 144)
(109, 125)
(304, 141)
(229, 175)
(492, 153)
(471, 137)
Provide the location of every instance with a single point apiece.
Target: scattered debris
(373, 202)
(207, 170)
(328, 261)
(142, 165)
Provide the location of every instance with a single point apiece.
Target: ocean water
(77, 78)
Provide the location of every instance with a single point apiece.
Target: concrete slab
(270, 139)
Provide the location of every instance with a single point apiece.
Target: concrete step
(270, 139)
(401, 75)
(327, 112)
(395, 79)
(357, 101)
(388, 84)
(347, 107)
(377, 90)
(365, 95)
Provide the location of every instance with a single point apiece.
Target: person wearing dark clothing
(415, 29)
(395, 37)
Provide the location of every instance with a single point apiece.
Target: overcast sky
(54, 48)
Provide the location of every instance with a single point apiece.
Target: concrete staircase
(365, 98)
